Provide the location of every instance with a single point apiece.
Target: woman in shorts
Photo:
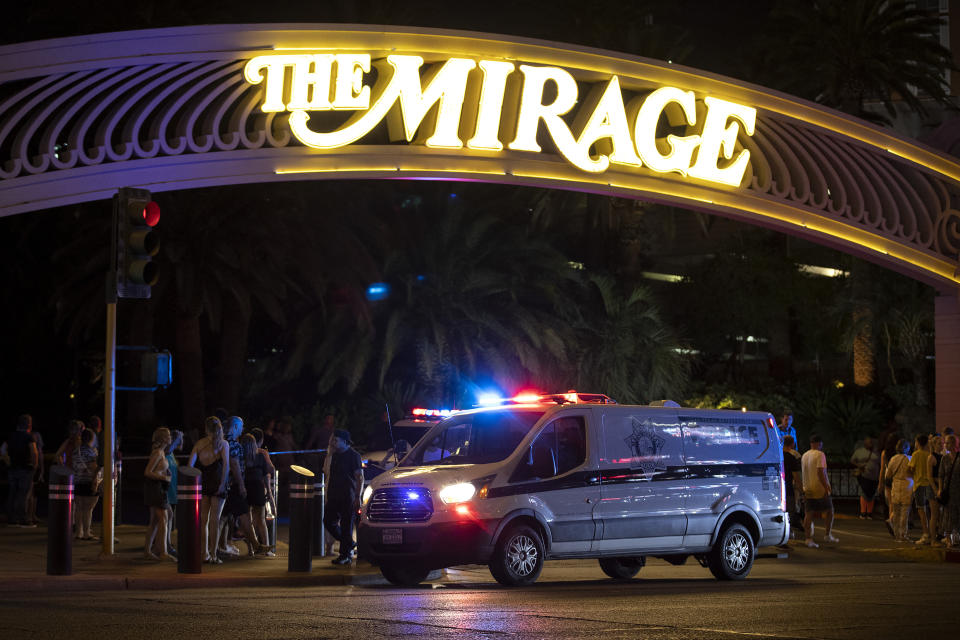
(211, 456)
(155, 484)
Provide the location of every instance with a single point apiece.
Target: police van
(578, 476)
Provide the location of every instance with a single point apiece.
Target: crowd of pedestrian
(910, 478)
(22, 455)
(922, 477)
(236, 485)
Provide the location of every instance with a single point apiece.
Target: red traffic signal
(151, 214)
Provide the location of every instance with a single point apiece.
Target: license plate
(392, 536)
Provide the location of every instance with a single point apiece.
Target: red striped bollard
(60, 522)
(189, 540)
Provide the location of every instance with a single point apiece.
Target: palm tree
(622, 346)
(471, 297)
(846, 53)
(872, 325)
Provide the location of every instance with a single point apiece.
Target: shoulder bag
(888, 477)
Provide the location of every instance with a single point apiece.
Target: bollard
(319, 532)
(60, 522)
(301, 519)
(189, 540)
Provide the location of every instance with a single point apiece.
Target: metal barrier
(842, 482)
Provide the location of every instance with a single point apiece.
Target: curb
(53, 584)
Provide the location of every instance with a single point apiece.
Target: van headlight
(460, 492)
(367, 492)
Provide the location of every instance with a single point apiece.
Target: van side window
(560, 447)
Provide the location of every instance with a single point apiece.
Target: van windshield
(476, 438)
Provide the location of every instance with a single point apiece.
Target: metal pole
(276, 514)
(318, 544)
(109, 437)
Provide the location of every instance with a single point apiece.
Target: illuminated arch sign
(228, 104)
(491, 104)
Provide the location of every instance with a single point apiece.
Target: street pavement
(23, 555)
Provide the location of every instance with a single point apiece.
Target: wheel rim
(522, 555)
(736, 552)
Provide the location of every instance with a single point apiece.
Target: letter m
(446, 84)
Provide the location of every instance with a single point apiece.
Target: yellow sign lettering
(480, 104)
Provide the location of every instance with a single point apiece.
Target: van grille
(400, 504)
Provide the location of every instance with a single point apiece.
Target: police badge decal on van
(646, 445)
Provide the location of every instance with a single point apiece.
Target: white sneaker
(831, 538)
(231, 550)
(810, 543)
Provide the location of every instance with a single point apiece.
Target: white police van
(579, 476)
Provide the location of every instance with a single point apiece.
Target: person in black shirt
(24, 458)
(792, 482)
(344, 488)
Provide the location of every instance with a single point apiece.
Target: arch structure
(214, 105)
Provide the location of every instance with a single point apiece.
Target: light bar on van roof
(432, 413)
(570, 397)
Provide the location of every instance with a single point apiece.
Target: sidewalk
(23, 555)
(872, 538)
(23, 566)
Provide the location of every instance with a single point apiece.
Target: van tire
(518, 557)
(622, 568)
(732, 557)
(404, 575)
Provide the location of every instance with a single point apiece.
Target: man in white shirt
(816, 491)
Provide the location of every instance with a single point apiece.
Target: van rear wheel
(518, 557)
(622, 568)
(732, 557)
(404, 575)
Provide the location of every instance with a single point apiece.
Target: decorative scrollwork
(119, 105)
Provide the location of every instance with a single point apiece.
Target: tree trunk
(234, 331)
(189, 368)
(864, 358)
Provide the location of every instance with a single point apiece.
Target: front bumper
(433, 546)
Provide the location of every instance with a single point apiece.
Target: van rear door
(642, 506)
(726, 454)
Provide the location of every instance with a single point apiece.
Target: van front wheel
(622, 568)
(732, 557)
(518, 558)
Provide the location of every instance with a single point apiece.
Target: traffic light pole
(109, 431)
(131, 273)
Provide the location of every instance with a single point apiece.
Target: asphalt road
(833, 592)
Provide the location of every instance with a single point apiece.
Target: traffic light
(135, 215)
